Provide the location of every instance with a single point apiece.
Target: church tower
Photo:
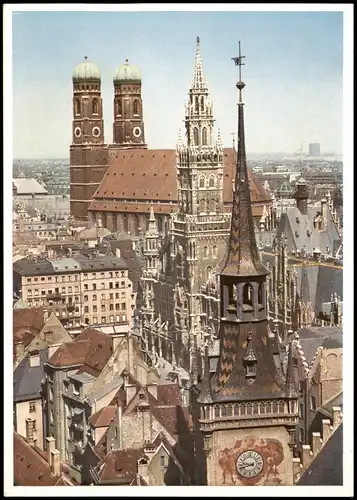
(128, 127)
(88, 153)
(151, 273)
(248, 407)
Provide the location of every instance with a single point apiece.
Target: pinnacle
(199, 82)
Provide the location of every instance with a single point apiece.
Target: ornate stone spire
(152, 229)
(199, 82)
(290, 382)
(243, 257)
(249, 352)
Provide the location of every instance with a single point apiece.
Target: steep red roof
(150, 174)
(27, 323)
(103, 417)
(70, 353)
(168, 394)
(30, 468)
(120, 464)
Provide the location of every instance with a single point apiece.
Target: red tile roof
(168, 394)
(140, 175)
(30, 468)
(91, 349)
(27, 323)
(103, 417)
(120, 464)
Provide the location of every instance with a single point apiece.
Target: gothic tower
(150, 278)
(88, 153)
(248, 408)
(128, 127)
(200, 228)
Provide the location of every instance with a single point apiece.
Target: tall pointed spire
(243, 257)
(290, 387)
(199, 82)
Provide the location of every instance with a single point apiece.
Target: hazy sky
(293, 74)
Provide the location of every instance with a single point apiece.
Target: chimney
(55, 462)
(301, 196)
(316, 443)
(130, 391)
(326, 430)
(307, 456)
(337, 417)
(117, 252)
(152, 389)
(34, 359)
(30, 431)
(50, 446)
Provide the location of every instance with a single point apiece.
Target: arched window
(216, 411)
(136, 107)
(281, 407)
(197, 108)
(125, 223)
(95, 107)
(204, 136)
(209, 273)
(249, 409)
(205, 251)
(195, 136)
(78, 107)
(212, 207)
(236, 410)
(214, 251)
(262, 408)
(223, 411)
(248, 294)
(202, 181)
(202, 207)
(212, 181)
(119, 108)
(202, 103)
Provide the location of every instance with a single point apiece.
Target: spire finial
(198, 77)
(238, 62)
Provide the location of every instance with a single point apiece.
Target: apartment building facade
(95, 290)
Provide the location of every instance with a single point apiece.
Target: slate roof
(31, 469)
(327, 468)
(296, 226)
(337, 401)
(316, 283)
(27, 379)
(325, 336)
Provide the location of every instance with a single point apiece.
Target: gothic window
(216, 411)
(281, 407)
(209, 273)
(249, 409)
(126, 224)
(212, 207)
(202, 207)
(260, 294)
(275, 407)
(119, 108)
(224, 411)
(196, 105)
(136, 107)
(204, 136)
(236, 410)
(195, 136)
(212, 181)
(248, 294)
(202, 103)
(205, 252)
(202, 181)
(95, 107)
(214, 251)
(78, 107)
(229, 410)
(262, 408)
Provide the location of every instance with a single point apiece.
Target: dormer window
(297, 220)
(251, 370)
(297, 234)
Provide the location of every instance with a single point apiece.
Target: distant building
(314, 149)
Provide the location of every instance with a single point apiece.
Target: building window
(95, 319)
(313, 403)
(94, 286)
(86, 309)
(111, 284)
(301, 410)
(102, 285)
(195, 136)
(111, 296)
(85, 287)
(32, 406)
(85, 298)
(103, 319)
(76, 389)
(94, 309)
(93, 275)
(94, 297)
(28, 280)
(111, 307)
(301, 435)
(301, 387)
(295, 362)
(162, 461)
(117, 295)
(95, 107)
(123, 306)
(202, 181)
(78, 107)
(117, 307)
(204, 136)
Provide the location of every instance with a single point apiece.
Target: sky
(293, 74)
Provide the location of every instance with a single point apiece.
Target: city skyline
(297, 56)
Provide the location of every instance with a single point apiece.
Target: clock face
(137, 131)
(96, 131)
(250, 463)
(77, 132)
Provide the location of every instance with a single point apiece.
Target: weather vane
(238, 61)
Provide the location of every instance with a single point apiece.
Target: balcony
(54, 296)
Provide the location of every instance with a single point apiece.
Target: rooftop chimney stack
(55, 462)
(30, 429)
(301, 196)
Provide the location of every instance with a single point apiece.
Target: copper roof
(145, 175)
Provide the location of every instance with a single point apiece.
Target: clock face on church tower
(137, 131)
(96, 131)
(250, 463)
